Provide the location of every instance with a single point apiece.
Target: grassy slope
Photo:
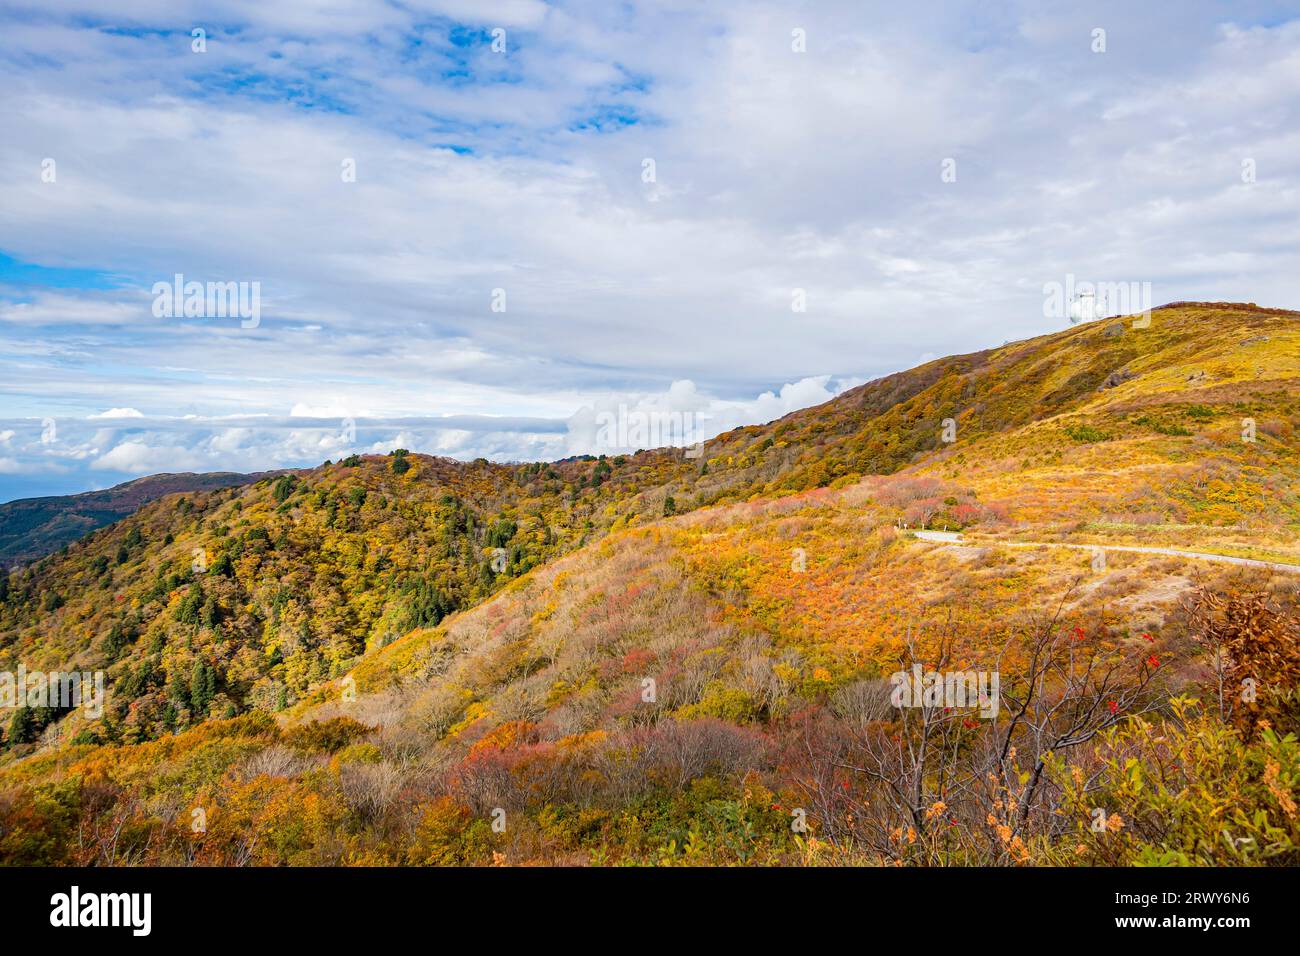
(746, 613)
(332, 570)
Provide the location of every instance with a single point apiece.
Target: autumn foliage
(404, 660)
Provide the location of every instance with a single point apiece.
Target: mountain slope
(279, 585)
(673, 694)
(31, 528)
(442, 640)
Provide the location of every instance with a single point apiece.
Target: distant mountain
(31, 528)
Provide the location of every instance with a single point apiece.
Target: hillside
(31, 528)
(439, 640)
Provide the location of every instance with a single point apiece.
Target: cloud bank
(494, 221)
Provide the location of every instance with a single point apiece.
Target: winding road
(955, 538)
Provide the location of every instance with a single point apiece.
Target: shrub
(1183, 793)
(284, 486)
(325, 736)
(1086, 433)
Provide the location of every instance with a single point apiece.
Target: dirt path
(953, 537)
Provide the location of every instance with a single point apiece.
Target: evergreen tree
(28, 722)
(22, 727)
(188, 611)
(211, 613)
(115, 641)
(202, 688)
(428, 606)
(284, 486)
(502, 530)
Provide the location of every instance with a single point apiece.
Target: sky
(473, 227)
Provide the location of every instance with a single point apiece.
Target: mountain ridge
(31, 528)
(426, 537)
(398, 646)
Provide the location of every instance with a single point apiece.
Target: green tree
(427, 606)
(21, 727)
(502, 530)
(210, 615)
(114, 641)
(27, 723)
(284, 486)
(203, 687)
(188, 612)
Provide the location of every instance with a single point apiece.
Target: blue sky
(504, 146)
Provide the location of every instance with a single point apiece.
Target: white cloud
(505, 13)
(683, 415)
(303, 410)
(119, 413)
(137, 458)
(61, 309)
(475, 171)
